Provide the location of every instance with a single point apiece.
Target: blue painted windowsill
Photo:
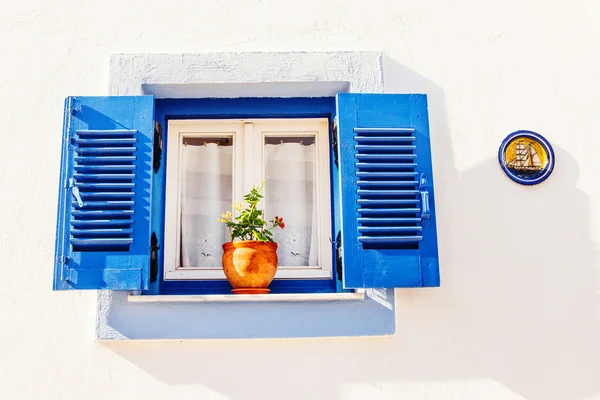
(121, 319)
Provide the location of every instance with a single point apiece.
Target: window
(212, 163)
(121, 223)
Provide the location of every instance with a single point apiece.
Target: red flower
(282, 225)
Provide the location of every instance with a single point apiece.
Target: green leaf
(259, 236)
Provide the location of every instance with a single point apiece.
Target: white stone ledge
(268, 74)
(245, 298)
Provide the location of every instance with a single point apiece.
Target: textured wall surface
(518, 312)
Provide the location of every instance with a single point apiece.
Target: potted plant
(250, 258)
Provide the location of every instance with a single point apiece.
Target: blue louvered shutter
(387, 199)
(103, 224)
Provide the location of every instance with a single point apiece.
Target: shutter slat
(104, 159)
(370, 147)
(105, 142)
(105, 132)
(386, 211)
(390, 229)
(368, 192)
(104, 150)
(106, 195)
(389, 240)
(91, 223)
(389, 221)
(378, 166)
(384, 130)
(100, 232)
(102, 242)
(386, 174)
(385, 157)
(105, 186)
(383, 202)
(106, 204)
(384, 139)
(386, 183)
(103, 168)
(105, 177)
(102, 213)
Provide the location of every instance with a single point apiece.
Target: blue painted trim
(533, 179)
(223, 287)
(104, 258)
(388, 260)
(59, 282)
(167, 109)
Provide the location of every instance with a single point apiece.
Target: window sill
(121, 316)
(245, 298)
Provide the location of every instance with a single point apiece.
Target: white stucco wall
(518, 312)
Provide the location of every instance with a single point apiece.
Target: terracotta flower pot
(250, 265)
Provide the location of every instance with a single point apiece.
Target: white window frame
(248, 149)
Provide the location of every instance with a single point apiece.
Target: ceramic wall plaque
(526, 157)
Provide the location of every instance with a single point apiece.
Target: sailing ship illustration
(526, 160)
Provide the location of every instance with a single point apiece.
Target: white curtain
(206, 193)
(291, 194)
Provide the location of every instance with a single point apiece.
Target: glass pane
(291, 191)
(206, 192)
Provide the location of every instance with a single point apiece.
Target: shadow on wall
(517, 315)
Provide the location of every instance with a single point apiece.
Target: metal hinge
(158, 145)
(154, 247)
(334, 140)
(71, 275)
(64, 275)
(74, 111)
(338, 256)
(67, 274)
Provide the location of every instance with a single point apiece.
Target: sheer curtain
(206, 190)
(291, 194)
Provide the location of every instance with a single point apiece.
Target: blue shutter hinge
(65, 272)
(157, 147)
(63, 269)
(74, 111)
(425, 210)
(334, 140)
(70, 275)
